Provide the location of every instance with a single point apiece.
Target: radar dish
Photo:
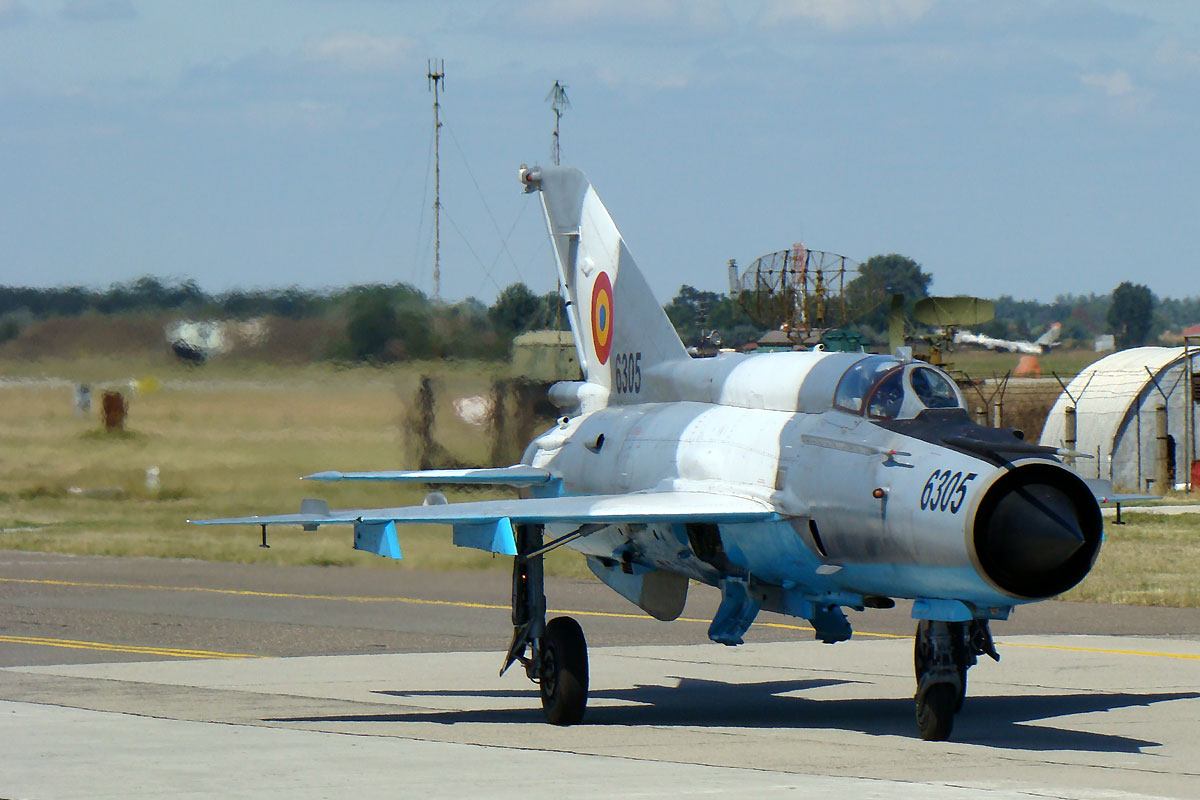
(947, 312)
(796, 290)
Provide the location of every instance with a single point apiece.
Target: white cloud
(1125, 96)
(687, 16)
(12, 12)
(1174, 53)
(362, 52)
(98, 10)
(1114, 84)
(842, 15)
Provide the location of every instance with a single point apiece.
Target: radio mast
(436, 77)
(559, 102)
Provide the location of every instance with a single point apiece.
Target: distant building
(545, 357)
(1105, 342)
(1116, 401)
(773, 341)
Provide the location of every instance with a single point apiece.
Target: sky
(1022, 147)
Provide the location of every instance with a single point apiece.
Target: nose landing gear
(942, 654)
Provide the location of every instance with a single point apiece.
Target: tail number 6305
(945, 490)
(627, 373)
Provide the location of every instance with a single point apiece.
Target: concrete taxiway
(137, 677)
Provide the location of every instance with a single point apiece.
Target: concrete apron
(1069, 716)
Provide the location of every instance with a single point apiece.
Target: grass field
(227, 441)
(231, 440)
(981, 364)
(1152, 560)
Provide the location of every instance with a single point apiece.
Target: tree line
(397, 322)
(1131, 312)
(380, 322)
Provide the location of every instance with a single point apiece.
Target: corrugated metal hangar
(1134, 412)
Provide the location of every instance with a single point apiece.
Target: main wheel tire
(935, 712)
(563, 672)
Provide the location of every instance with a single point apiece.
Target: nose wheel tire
(923, 658)
(563, 672)
(935, 712)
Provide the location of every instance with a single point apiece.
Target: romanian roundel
(602, 316)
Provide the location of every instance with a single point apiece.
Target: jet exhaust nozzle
(1037, 531)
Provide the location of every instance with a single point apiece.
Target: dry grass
(980, 364)
(228, 440)
(1152, 561)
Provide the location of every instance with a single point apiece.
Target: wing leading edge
(516, 475)
(488, 524)
(671, 506)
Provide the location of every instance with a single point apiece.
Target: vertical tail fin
(620, 329)
(1050, 336)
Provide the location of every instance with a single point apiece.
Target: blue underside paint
(736, 613)
(492, 537)
(771, 552)
(377, 538)
(955, 610)
(941, 610)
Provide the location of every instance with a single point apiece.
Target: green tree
(554, 312)
(372, 325)
(689, 312)
(388, 323)
(1131, 314)
(516, 310)
(695, 312)
(464, 331)
(878, 279)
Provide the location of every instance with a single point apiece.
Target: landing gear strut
(557, 660)
(942, 654)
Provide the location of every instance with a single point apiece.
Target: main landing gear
(942, 654)
(557, 657)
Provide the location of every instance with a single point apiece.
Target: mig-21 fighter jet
(802, 483)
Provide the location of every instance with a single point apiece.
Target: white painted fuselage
(863, 510)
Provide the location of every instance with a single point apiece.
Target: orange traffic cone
(1028, 367)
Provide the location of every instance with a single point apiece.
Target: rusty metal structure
(798, 290)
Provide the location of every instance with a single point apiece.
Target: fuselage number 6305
(945, 490)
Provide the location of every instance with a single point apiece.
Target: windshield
(856, 384)
(888, 396)
(885, 388)
(933, 389)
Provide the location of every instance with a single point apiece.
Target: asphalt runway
(143, 677)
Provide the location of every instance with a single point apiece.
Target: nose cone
(1034, 528)
(1037, 531)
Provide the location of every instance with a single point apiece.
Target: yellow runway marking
(109, 647)
(496, 607)
(1188, 656)
(280, 595)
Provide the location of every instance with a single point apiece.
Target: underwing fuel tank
(1037, 531)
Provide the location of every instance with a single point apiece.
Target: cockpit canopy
(883, 387)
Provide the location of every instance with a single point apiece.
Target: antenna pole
(559, 102)
(435, 77)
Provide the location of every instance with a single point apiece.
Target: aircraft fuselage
(869, 506)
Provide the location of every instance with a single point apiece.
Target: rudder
(620, 329)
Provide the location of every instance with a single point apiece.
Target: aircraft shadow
(994, 721)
